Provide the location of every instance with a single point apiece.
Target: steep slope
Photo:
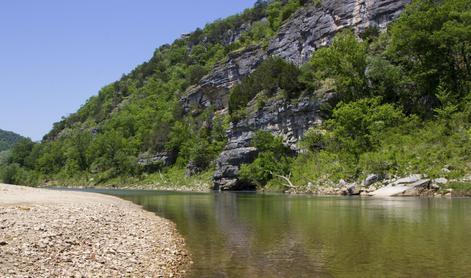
(233, 100)
(307, 30)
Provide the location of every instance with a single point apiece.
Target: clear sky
(55, 54)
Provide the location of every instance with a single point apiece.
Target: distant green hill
(8, 139)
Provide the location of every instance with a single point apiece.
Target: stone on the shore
(409, 179)
(352, 189)
(371, 179)
(440, 181)
(390, 190)
(421, 183)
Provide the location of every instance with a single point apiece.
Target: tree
(273, 160)
(432, 42)
(356, 127)
(20, 153)
(344, 62)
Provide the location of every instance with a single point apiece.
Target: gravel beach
(47, 233)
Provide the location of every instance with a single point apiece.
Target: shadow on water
(269, 235)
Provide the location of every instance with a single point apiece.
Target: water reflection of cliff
(254, 235)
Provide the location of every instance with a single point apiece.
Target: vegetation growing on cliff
(404, 98)
(140, 115)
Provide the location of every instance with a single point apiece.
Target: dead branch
(287, 179)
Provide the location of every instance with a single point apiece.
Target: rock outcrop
(307, 30)
(213, 89)
(281, 118)
(314, 27)
(156, 161)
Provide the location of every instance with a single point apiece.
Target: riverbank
(417, 185)
(46, 233)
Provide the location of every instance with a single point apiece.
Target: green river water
(265, 235)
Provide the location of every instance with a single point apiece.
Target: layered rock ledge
(47, 233)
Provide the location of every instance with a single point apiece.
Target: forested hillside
(8, 139)
(231, 98)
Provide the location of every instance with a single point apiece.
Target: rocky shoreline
(48, 233)
(416, 185)
(377, 186)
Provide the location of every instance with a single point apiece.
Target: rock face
(213, 89)
(281, 118)
(306, 31)
(162, 158)
(315, 26)
(301, 35)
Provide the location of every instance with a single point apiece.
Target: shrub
(356, 127)
(273, 159)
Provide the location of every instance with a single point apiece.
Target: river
(274, 235)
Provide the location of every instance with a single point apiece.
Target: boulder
(193, 168)
(421, 184)
(446, 169)
(228, 166)
(409, 180)
(342, 183)
(371, 179)
(440, 181)
(417, 188)
(352, 189)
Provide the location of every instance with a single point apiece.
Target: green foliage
(405, 106)
(273, 75)
(386, 80)
(8, 139)
(432, 42)
(355, 127)
(461, 188)
(345, 63)
(408, 146)
(278, 11)
(314, 139)
(273, 159)
(21, 153)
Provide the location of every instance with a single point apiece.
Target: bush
(265, 167)
(357, 127)
(273, 159)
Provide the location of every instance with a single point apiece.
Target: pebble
(105, 237)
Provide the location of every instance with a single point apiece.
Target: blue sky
(55, 54)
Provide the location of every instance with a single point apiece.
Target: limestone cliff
(308, 29)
